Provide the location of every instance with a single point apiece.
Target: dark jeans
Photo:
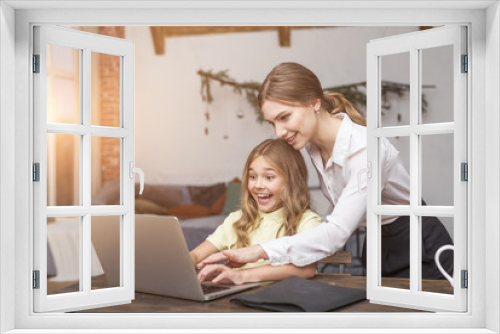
(396, 248)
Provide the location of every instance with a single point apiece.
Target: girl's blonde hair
(292, 83)
(290, 164)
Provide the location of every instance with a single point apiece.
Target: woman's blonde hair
(290, 164)
(292, 83)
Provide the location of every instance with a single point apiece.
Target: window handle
(132, 171)
(368, 171)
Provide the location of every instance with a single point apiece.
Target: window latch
(132, 171)
(368, 172)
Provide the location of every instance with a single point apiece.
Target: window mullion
(415, 184)
(85, 167)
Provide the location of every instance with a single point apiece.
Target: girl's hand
(219, 273)
(236, 257)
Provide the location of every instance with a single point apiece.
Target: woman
(334, 134)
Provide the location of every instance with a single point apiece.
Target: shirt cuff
(276, 251)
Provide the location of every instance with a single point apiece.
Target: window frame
(482, 101)
(85, 44)
(413, 44)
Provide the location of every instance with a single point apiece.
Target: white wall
(171, 146)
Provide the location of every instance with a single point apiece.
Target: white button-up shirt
(339, 183)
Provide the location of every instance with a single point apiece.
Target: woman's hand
(219, 273)
(236, 257)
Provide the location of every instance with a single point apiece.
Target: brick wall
(110, 107)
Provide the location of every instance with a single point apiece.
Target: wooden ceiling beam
(158, 40)
(159, 33)
(284, 34)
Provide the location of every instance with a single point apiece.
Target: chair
(341, 258)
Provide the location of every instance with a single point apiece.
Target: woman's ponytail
(336, 103)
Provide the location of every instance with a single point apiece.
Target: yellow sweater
(225, 236)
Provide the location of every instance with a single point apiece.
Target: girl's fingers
(207, 273)
(223, 275)
(216, 274)
(219, 278)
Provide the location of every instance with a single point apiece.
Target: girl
(334, 134)
(274, 203)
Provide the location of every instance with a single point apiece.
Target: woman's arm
(236, 257)
(222, 274)
(202, 251)
(313, 245)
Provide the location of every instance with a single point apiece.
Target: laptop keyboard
(212, 288)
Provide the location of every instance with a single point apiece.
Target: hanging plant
(355, 93)
(250, 89)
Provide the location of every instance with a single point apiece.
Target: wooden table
(148, 303)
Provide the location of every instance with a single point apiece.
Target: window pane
(63, 255)
(106, 231)
(63, 85)
(63, 169)
(395, 252)
(437, 169)
(437, 230)
(437, 84)
(402, 145)
(105, 170)
(106, 91)
(395, 91)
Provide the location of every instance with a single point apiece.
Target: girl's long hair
(292, 83)
(290, 164)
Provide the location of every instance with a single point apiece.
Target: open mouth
(264, 199)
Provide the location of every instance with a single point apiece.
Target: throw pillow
(162, 194)
(233, 197)
(206, 195)
(148, 207)
(218, 205)
(189, 211)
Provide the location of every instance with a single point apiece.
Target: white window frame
(85, 43)
(413, 44)
(484, 212)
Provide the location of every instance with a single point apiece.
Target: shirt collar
(340, 149)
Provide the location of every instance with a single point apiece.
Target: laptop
(162, 262)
